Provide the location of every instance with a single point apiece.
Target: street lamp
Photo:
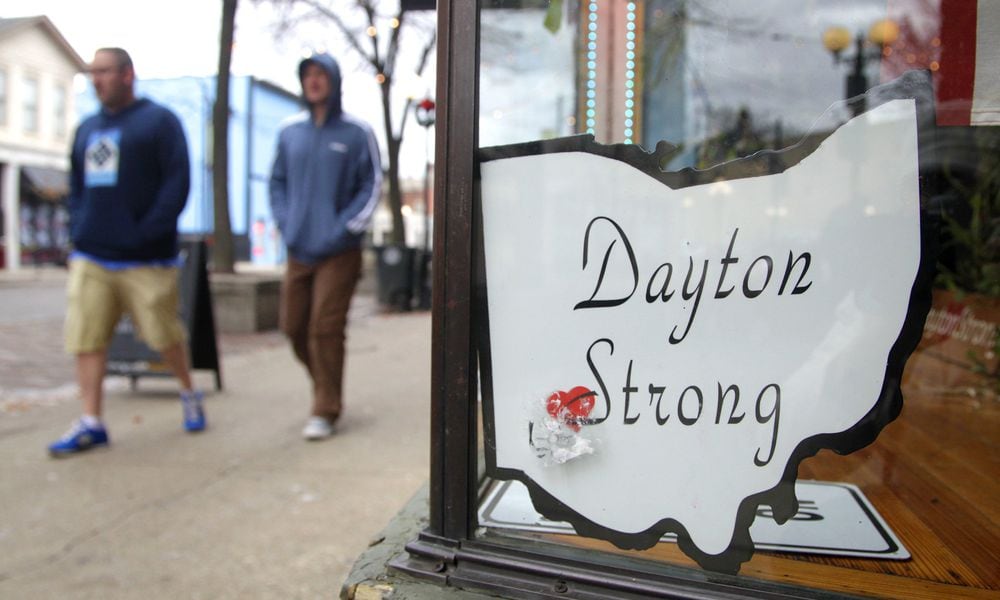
(836, 39)
(424, 113)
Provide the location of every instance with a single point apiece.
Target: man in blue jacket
(325, 184)
(128, 184)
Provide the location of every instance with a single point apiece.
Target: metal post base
(516, 573)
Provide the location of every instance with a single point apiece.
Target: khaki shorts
(97, 298)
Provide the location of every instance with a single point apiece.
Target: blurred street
(246, 509)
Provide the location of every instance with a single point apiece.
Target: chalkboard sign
(131, 357)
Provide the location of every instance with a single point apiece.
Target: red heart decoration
(572, 407)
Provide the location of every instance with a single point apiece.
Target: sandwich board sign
(661, 350)
(129, 356)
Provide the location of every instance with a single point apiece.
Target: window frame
(450, 551)
(31, 113)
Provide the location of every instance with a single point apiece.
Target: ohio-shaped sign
(662, 350)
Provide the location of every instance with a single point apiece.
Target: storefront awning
(44, 183)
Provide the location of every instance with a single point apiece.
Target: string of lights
(591, 120)
(629, 70)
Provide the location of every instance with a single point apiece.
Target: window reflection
(718, 79)
(724, 79)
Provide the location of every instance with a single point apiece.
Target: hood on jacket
(332, 69)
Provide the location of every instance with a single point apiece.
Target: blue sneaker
(194, 414)
(79, 438)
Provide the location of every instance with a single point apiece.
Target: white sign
(659, 356)
(834, 519)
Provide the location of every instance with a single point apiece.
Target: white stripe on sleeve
(360, 221)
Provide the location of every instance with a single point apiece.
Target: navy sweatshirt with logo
(129, 182)
(326, 178)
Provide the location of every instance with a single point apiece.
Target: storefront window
(759, 98)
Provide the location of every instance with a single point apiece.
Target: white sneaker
(317, 428)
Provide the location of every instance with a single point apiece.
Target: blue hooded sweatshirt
(129, 182)
(327, 179)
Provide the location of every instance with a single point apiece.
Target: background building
(39, 112)
(37, 118)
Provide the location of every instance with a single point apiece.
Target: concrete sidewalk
(244, 510)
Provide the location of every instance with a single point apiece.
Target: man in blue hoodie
(128, 184)
(325, 184)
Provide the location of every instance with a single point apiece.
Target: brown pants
(314, 303)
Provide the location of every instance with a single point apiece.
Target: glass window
(30, 104)
(708, 82)
(59, 97)
(3, 97)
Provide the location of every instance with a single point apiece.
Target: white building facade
(37, 114)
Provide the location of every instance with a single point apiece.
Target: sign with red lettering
(663, 349)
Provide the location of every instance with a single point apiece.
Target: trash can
(422, 278)
(394, 276)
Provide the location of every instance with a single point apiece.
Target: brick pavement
(34, 369)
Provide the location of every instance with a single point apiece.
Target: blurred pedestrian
(325, 184)
(129, 182)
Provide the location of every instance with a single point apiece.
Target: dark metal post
(453, 355)
(857, 83)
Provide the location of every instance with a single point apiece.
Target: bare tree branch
(370, 13)
(351, 37)
(390, 55)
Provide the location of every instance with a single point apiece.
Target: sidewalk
(244, 510)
